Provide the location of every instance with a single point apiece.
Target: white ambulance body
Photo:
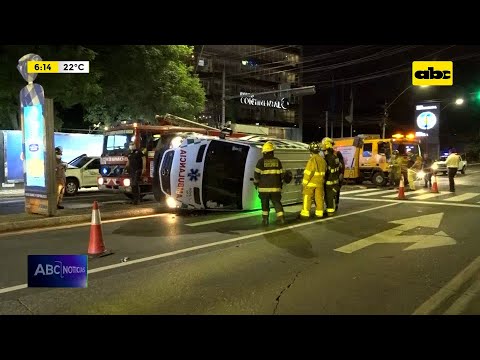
(217, 174)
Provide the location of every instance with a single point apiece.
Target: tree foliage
(124, 82)
(139, 82)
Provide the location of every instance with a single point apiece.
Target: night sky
(457, 123)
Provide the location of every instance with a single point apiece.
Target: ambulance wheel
(379, 179)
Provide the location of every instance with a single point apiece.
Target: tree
(65, 89)
(140, 82)
(472, 149)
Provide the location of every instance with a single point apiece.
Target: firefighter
(340, 175)
(395, 169)
(60, 176)
(313, 183)
(331, 175)
(136, 165)
(268, 179)
(415, 163)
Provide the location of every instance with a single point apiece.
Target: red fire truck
(153, 139)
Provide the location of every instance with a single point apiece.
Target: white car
(82, 172)
(440, 167)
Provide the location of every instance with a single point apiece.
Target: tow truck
(366, 156)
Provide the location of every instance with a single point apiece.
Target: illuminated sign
(34, 146)
(277, 104)
(181, 174)
(426, 120)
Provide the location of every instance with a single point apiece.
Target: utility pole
(351, 130)
(341, 131)
(384, 122)
(326, 123)
(223, 96)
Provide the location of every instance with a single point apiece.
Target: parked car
(440, 167)
(82, 172)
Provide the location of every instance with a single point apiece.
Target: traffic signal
(477, 96)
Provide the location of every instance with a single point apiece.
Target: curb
(46, 222)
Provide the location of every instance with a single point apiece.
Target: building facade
(250, 69)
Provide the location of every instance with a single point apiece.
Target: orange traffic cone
(401, 190)
(96, 247)
(434, 185)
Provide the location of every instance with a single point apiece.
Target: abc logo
(433, 73)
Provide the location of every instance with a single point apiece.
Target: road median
(16, 222)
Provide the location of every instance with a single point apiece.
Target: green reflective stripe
(313, 185)
(332, 182)
(318, 213)
(319, 173)
(280, 213)
(305, 182)
(330, 210)
(265, 213)
(269, 189)
(257, 170)
(271, 172)
(308, 172)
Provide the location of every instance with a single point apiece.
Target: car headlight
(171, 202)
(420, 174)
(126, 182)
(435, 166)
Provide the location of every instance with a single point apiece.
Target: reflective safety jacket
(268, 175)
(333, 168)
(314, 173)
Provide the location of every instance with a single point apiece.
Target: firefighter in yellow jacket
(332, 175)
(268, 179)
(313, 183)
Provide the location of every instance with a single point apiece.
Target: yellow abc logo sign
(433, 73)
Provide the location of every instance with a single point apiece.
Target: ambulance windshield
(223, 175)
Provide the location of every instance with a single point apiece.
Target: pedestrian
(314, 183)
(427, 169)
(268, 180)
(60, 176)
(331, 175)
(341, 174)
(395, 163)
(136, 164)
(452, 163)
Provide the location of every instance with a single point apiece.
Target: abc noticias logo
(432, 73)
(58, 271)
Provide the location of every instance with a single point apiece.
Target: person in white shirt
(452, 162)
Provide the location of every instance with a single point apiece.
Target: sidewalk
(24, 221)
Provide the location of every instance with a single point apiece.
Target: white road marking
(427, 196)
(240, 216)
(449, 289)
(413, 202)
(204, 246)
(463, 197)
(462, 302)
(86, 223)
(358, 191)
(377, 192)
(407, 193)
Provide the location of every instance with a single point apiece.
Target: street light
(384, 123)
(459, 101)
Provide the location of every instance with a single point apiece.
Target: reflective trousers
(412, 176)
(276, 198)
(308, 194)
(330, 196)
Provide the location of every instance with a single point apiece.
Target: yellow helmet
(268, 147)
(327, 143)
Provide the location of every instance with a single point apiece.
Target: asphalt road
(83, 199)
(377, 255)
